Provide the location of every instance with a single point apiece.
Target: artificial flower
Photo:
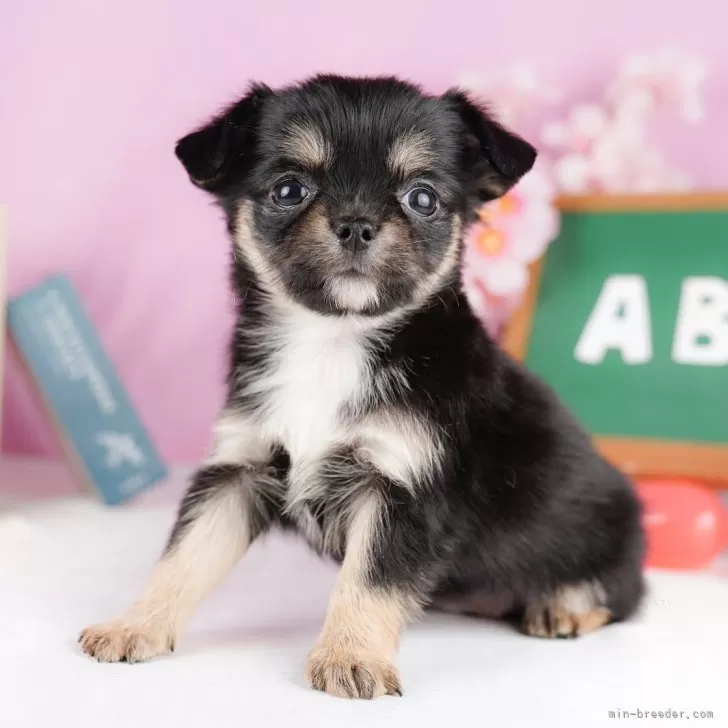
(511, 233)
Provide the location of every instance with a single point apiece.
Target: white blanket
(68, 562)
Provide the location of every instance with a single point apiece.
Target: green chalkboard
(627, 319)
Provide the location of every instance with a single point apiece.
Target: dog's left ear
(212, 154)
(496, 157)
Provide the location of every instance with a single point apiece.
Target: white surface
(70, 562)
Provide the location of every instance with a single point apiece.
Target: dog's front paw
(119, 641)
(350, 675)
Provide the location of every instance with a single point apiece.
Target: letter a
(619, 320)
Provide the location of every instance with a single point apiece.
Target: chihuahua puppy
(366, 407)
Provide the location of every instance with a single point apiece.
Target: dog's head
(350, 195)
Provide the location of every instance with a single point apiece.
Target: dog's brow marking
(410, 152)
(307, 144)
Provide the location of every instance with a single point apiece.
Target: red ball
(686, 525)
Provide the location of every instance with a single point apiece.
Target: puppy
(366, 407)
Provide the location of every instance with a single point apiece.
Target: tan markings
(248, 246)
(315, 236)
(571, 612)
(493, 186)
(564, 624)
(590, 621)
(354, 653)
(395, 239)
(410, 153)
(215, 538)
(433, 282)
(306, 144)
(315, 225)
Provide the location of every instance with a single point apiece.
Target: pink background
(94, 94)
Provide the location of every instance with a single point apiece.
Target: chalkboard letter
(701, 332)
(619, 320)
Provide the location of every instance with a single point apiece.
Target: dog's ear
(214, 152)
(496, 157)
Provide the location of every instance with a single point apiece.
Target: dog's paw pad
(351, 676)
(121, 642)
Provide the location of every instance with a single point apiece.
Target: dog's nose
(355, 235)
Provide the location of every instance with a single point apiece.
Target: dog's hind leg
(575, 609)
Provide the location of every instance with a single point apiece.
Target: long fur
(367, 409)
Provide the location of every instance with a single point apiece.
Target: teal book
(87, 401)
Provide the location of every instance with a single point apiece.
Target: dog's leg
(570, 611)
(225, 508)
(354, 653)
(575, 609)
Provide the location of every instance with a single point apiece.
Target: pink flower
(584, 125)
(606, 148)
(511, 233)
(511, 94)
(599, 147)
(667, 77)
(573, 173)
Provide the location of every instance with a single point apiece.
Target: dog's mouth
(355, 267)
(353, 274)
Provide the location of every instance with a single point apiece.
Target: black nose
(355, 235)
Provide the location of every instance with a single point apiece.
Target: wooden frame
(638, 457)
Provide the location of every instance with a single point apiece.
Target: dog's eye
(422, 201)
(290, 192)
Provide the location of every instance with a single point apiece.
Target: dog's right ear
(212, 153)
(498, 158)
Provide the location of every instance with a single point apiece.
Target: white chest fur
(317, 371)
(317, 365)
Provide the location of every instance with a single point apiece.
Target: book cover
(87, 401)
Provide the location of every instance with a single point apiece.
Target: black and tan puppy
(366, 407)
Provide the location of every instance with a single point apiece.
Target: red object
(686, 525)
